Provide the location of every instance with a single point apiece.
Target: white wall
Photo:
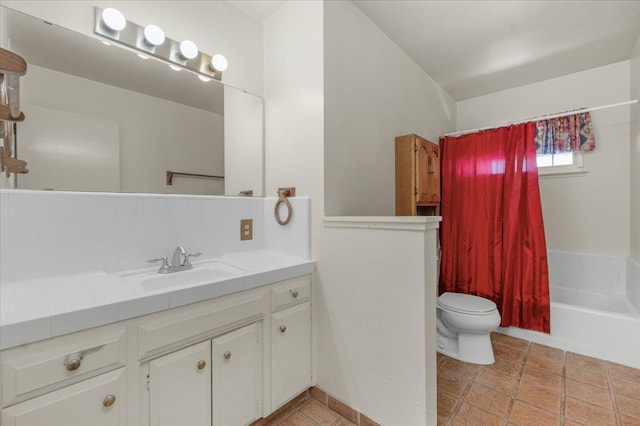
(370, 301)
(634, 158)
(373, 93)
(156, 135)
(585, 214)
(215, 26)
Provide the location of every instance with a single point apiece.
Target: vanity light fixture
(153, 35)
(203, 78)
(188, 49)
(150, 40)
(114, 19)
(141, 56)
(218, 63)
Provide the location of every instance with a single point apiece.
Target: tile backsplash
(45, 233)
(588, 272)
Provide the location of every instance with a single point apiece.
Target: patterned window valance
(565, 134)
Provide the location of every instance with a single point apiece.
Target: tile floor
(531, 384)
(309, 412)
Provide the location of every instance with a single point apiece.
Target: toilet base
(472, 348)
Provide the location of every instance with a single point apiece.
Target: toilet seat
(466, 304)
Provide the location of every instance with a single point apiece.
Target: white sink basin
(205, 273)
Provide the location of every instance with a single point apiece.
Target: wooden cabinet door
(427, 172)
(180, 387)
(237, 376)
(290, 353)
(100, 401)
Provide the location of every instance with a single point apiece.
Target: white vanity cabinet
(290, 340)
(100, 401)
(180, 387)
(226, 361)
(237, 376)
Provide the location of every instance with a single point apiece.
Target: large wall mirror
(101, 118)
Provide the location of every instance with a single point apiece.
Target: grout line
(613, 394)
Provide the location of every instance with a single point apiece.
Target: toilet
(464, 324)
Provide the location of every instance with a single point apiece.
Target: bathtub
(589, 323)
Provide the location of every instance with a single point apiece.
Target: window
(560, 163)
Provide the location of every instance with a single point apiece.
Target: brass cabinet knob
(109, 400)
(283, 328)
(227, 355)
(202, 364)
(294, 293)
(73, 364)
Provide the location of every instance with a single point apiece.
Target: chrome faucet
(179, 261)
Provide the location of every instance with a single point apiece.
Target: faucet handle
(188, 255)
(164, 260)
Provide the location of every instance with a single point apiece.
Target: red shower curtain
(492, 235)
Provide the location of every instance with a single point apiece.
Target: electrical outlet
(246, 229)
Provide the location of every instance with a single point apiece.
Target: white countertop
(46, 307)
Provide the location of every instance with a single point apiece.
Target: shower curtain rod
(545, 117)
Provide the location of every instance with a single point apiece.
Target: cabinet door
(180, 387)
(428, 172)
(237, 376)
(290, 353)
(100, 401)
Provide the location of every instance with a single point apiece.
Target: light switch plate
(246, 229)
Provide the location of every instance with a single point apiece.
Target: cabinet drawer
(170, 331)
(290, 292)
(100, 401)
(35, 369)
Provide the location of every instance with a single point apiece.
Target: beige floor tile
(505, 367)
(585, 375)
(541, 378)
(446, 405)
(527, 415)
(584, 361)
(464, 369)
(488, 400)
(296, 419)
(319, 413)
(626, 387)
(451, 383)
(513, 342)
(538, 396)
(545, 364)
(497, 381)
(624, 372)
(628, 406)
(587, 393)
(548, 352)
(588, 414)
(508, 353)
(628, 421)
(468, 415)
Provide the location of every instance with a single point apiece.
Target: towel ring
(282, 198)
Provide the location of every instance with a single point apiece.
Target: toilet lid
(466, 303)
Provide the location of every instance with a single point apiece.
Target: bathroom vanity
(232, 358)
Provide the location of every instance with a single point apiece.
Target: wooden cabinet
(290, 352)
(180, 387)
(100, 401)
(417, 177)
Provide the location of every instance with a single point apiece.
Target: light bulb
(218, 63)
(204, 78)
(175, 67)
(153, 35)
(114, 19)
(188, 49)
